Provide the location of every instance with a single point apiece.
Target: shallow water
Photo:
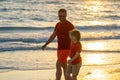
(40, 60)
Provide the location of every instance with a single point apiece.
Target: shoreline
(28, 75)
(36, 65)
(86, 73)
(39, 58)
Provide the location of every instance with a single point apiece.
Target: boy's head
(75, 35)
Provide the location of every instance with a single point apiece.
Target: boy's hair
(76, 33)
(62, 10)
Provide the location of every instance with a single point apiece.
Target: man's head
(62, 14)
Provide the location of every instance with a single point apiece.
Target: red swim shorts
(62, 55)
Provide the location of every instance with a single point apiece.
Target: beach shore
(86, 73)
(36, 65)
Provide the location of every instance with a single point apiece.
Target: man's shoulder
(70, 23)
(58, 23)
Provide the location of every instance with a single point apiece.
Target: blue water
(25, 25)
(30, 38)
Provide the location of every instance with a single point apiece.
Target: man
(61, 30)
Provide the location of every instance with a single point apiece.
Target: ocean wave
(101, 38)
(87, 28)
(38, 19)
(28, 40)
(18, 48)
(7, 9)
(114, 17)
(4, 69)
(23, 48)
(2, 0)
(38, 47)
(24, 28)
(3, 9)
(99, 27)
(16, 9)
(40, 39)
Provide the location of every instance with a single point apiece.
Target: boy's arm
(76, 55)
(51, 38)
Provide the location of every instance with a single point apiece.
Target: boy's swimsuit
(76, 47)
(76, 64)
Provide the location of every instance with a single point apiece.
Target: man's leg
(64, 66)
(58, 70)
(61, 63)
(59, 66)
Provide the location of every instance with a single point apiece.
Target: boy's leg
(75, 70)
(68, 72)
(74, 77)
(68, 77)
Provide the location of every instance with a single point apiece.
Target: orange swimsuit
(76, 47)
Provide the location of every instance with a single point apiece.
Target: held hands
(69, 61)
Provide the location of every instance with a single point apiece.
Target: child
(75, 61)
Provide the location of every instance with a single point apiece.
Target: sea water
(25, 25)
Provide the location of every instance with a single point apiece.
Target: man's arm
(51, 38)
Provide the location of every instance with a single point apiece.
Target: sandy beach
(86, 73)
(40, 65)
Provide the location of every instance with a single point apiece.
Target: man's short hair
(62, 10)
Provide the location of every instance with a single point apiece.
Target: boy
(75, 61)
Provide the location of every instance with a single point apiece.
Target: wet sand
(86, 73)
